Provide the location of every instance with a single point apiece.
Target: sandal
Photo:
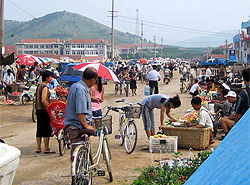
(38, 151)
(50, 152)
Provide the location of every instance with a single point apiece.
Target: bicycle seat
(89, 132)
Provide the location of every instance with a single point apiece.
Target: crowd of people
(86, 96)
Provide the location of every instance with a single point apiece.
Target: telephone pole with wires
(142, 39)
(137, 26)
(112, 30)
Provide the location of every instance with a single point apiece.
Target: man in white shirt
(8, 80)
(204, 118)
(195, 89)
(152, 80)
(208, 72)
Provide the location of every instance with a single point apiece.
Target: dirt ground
(18, 130)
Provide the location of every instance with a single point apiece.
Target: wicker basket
(133, 111)
(196, 138)
(106, 121)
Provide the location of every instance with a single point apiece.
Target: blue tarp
(229, 164)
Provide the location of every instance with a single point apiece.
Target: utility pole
(112, 30)
(142, 39)
(155, 47)
(226, 50)
(1, 36)
(137, 26)
(12, 36)
(207, 51)
(161, 46)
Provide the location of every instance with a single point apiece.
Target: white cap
(231, 94)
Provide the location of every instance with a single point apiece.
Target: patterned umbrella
(102, 70)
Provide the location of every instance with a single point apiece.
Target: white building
(242, 45)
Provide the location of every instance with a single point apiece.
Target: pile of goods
(204, 98)
(7, 102)
(192, 117)
(61, 91)
(16, 94)
(160, 136)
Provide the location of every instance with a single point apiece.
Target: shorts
(148, 117)
(233, 123)
(97, 113)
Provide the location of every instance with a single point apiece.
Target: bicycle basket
(182, 79)
(106, 121)
(133, 111)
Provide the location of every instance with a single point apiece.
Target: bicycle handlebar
(123, 100)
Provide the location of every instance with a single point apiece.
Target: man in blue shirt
(78, 113)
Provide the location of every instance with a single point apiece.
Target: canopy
(229, 163)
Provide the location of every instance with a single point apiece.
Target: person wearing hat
(158, 101)
(228, 122)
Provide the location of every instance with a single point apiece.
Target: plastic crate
(106, 121)
(166, 145)
(133, 111)
(16, 98)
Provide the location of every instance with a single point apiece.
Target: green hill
(63, 25)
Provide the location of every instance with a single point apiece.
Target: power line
(183, 28)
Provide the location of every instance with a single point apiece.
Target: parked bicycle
(127, 127)
(118, 86)
(83, 165)
(183, 85)
(126, 83)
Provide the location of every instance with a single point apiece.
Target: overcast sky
(172, 20)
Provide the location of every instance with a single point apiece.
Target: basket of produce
(15, 96)
(167, 144)
(192, 117)
(196, 138)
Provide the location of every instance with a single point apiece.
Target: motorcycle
(28, 94)
(167, 76)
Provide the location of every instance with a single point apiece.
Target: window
(73, 45)
(78, 52)
(35, 52)
(42, 46)
(82, 45)
(78, 45)
(30, 45)
(19, 46)
(67, 45)
(73, 52)
(55, 46)
(35, 45)
(100, 46)
(67, 52)
(87, 46)
(101, 52)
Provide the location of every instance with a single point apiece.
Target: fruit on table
(16, 93)
(191, 116)
(160, 136)
(8, 102)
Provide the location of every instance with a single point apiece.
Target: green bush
(175, 175)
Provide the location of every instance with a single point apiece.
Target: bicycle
(118, 86)
(82, 161)
(143, 77)
(127, 127)
(126, 83)
(183, 85)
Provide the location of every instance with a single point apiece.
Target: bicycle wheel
(185, 88)
(181, 87)
(34, 118)
(107, 157)
(126, 90)
(81, 174)
(61, 142)
(122, 128)
(116, 88)
(130, 138)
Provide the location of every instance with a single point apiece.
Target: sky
(168, 21)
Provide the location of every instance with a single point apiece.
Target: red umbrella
(143, 61)
(25, 60)
(102, 70)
